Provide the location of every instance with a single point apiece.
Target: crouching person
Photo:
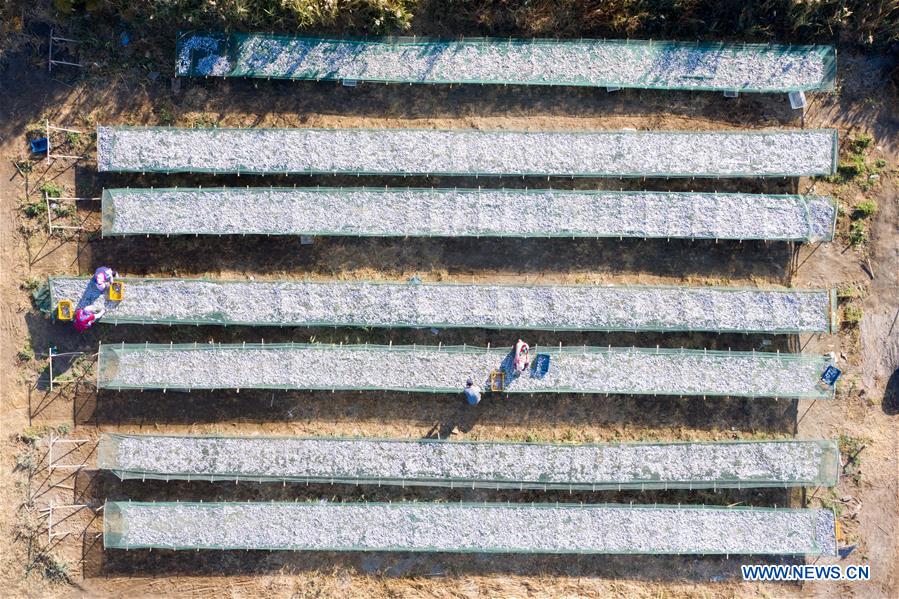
(104, 277)
(86, 317)
(472, 393)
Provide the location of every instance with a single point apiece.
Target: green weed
(28, 460)
(30, 283)
(851, 448)
(376, 16)
(26, 354)
(852, 315)
(63, 210)
(859, 22)
(570, 435)
(28, 525)
(860, 144)
(166, 116)
(26, 166)
(845, 293)
(50, 567)
(857, 233)
(35, 209)
(864, 209)
(851, 168)
(202, 121)
(834, 503)
(35, 130)
(853, 165)
(33, 434)
(53, 190)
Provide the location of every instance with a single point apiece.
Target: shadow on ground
(434, 414)
(890, 403)
(141, 563)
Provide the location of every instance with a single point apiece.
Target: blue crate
(39, 146)
(830, 375)
(540, 366)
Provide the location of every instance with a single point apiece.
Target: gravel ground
(467, 151)
(465, 527)
(431, 369)
(541, 307)
(596, 63)
(697, 465)
(458, 212)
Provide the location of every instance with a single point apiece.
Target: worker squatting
(84, 318)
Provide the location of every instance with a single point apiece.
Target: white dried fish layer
(665, 65)
(469, 213)
(462, 527)
(749, 464)
(468, 152)
(432, 369)
(445, 305)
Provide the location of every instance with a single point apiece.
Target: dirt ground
(863, 414)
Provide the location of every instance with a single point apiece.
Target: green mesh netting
(468, 152)
(444, 369)
(482, 212)
(457, 305)
(471, 464)
(602, 63)
(467, 527)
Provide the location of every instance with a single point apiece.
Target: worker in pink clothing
(86, 317)
(103, 277)
(522, 356)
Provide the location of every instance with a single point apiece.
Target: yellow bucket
(65, 310)
(497, 380)
(116, 291)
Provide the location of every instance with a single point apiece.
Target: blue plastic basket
(541, 366)
(830, 375)
(39, 146)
